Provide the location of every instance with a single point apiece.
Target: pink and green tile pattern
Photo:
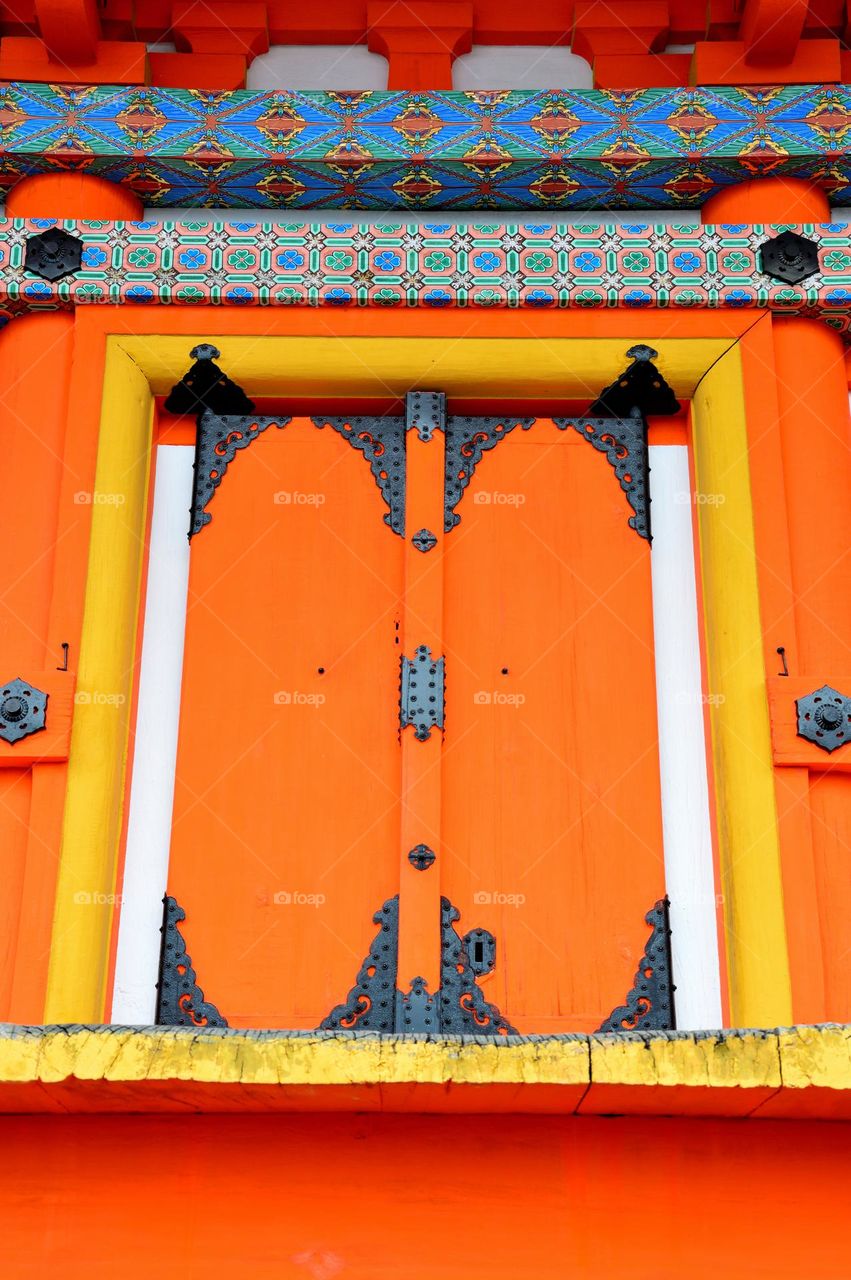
(440, 264)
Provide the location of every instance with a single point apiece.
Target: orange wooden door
(298, 797)
(286, 816)
(552, 837)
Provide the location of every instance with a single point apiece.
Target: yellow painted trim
(486, 368)
(719, 1061)
(76, 984)
(280, 1058)
(817, 1057)
(802, 1071)
(748, 837)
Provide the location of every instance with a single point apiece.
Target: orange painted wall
(43, 607)
(319, 1197)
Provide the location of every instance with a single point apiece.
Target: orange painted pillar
(768, 200)
(801, 482)
(38, 519)
(71, 195)
(815, 436)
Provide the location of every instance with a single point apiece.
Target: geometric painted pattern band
(439, 264)
(489, 150)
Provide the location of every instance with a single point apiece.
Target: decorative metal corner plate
(382, 443)
(650, 1004)
(463, 1008)
(206, 386)
(422, 692)
(180, 1001)
(375, 1002)
(218, 441)
(624, 442)
(467, 440)
(371, 1003)
(640, 386)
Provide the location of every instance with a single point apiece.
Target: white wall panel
(680, 700)
(323, 66)
(528, 66)
(152, 782)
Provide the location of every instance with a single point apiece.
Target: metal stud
(789, 257)
(22, 710)
(421, 857)
(824, 718)
(53, 254)
(424, 540)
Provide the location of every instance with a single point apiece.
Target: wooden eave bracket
(795, 1072)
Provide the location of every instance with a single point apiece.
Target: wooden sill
(797, 1072)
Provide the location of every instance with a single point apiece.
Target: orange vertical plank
(37, 353)
(815, 437)
(422, 624)
(780, 630)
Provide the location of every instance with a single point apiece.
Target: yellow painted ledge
(795, 1072)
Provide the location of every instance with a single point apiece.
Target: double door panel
(293, 815)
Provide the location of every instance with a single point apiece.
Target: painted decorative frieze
(499, 149)
(440, 264)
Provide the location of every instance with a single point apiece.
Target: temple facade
(425, 627)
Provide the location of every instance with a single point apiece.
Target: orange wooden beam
(70, 29)
(771, 29)
(420, 43)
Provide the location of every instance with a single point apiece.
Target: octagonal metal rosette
(789, 257)
(53, 254)
(824, 717)
(23, 710)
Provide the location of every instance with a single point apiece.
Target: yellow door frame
(706, 369)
